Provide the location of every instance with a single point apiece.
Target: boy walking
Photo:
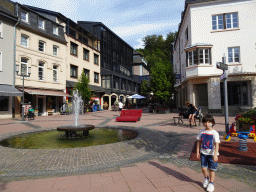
(208, 150)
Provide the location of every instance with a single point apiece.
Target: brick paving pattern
(157, 160)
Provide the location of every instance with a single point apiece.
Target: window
(24, 41)
(24, 16)
(86, 54)
(204, 56)
(96, 77)
(199, 56)
(1, 29)
(73, 71)
(116, 83)
(87, 73)
(55, 73)
(231, 21)
(55, 50)
(24, 66)
(55, 30)
(41, 46)
(41, 70)
(1, 67)
(217, 22)
(4, 103)
(96, 59)
(40, 24)
(234, 55)
(186, 34)
(105, 81)
(73, 48)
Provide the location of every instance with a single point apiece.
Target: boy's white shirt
(216, 139)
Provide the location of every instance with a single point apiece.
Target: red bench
(130, 115)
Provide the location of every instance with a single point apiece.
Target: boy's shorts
(207, 162)
(120, 109)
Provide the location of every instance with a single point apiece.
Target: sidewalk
(145, 167)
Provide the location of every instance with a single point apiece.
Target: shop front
(45, 102)
(7, 93)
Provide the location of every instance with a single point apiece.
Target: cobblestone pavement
(158, 139)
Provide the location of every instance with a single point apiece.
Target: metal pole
(23, 100)
(225, 95)
(226, 103)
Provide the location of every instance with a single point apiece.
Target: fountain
(72, 129)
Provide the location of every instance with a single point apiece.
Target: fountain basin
(72, 129)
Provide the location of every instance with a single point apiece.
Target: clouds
(129, 19)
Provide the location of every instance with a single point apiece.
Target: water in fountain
(77, 104)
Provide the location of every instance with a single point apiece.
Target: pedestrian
(120, 106)
(208, 150)
(192, 110)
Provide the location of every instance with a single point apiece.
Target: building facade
(8, 22)
(116, 64)
(209, 30)
(82, 53)
(139, 66)
(41, 47)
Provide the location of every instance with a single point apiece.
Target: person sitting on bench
(192, 110)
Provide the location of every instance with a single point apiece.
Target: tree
(162, 78)
(83, 88)
(144, 87)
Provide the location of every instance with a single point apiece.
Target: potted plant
(245, 120)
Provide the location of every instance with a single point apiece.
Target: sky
(132, 20)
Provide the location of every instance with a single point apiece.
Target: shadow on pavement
(175, 174)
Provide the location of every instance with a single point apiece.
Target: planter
(243, 127)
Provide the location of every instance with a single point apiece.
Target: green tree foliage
(158, 53)
(162, 78)
(144, 87)
(83, 88)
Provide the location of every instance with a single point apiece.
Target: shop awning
(8, 90)
(46, 92)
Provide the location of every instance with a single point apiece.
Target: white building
(208, 30)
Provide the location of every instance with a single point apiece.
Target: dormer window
(55, 30)
(24, 16)
(41, 24)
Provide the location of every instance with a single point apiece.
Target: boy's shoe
(206, 182)
(210, 187)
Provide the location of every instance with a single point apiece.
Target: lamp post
(24, 73)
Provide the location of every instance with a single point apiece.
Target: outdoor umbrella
(136, 96)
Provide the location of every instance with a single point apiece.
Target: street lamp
(23, 74)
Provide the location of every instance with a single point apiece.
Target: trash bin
(31, 114)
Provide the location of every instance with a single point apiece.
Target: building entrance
(237, 93)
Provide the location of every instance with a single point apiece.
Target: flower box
(243, 127)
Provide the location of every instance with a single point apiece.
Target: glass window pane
(220, 21)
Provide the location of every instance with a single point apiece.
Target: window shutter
(186, 59)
